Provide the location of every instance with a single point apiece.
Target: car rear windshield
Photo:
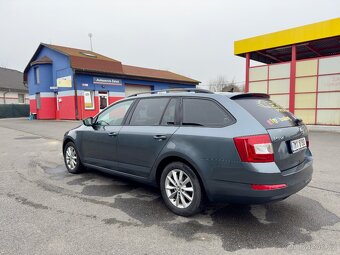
(267, 112)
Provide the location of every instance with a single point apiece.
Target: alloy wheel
(71, 157)
(179, 188)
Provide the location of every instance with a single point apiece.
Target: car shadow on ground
(279, 224)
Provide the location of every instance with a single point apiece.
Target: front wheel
(181, 189)
(71, 158)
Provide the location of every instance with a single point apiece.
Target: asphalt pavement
(46, 210)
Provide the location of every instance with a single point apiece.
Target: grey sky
(190, 37)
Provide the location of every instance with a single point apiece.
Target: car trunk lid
(288, 134)
(289, 145)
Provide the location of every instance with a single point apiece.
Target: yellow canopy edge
(315, 31)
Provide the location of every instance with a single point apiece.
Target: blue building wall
(64, 106)
(46, 79)
(87, 80)
(49, 73)
(157, 85)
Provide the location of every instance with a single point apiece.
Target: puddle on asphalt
(286, 222)
(56, 173)
(106, 190)
(86, 180)
(239, 227)
(59, 170)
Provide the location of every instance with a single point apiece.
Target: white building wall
(12, 97)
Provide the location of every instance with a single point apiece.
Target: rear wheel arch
(170, 159)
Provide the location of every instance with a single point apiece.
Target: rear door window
(169, 114)
(267, 112)
(205, 113)
(149, 112)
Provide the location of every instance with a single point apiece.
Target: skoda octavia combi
(195, 145)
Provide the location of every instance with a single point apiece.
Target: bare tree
(218, 84)
(222, 84)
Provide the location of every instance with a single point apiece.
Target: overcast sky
(191, 37)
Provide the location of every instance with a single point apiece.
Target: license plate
(298, 144)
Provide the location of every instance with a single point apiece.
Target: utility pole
(90, 35)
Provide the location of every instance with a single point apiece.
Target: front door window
(114, 115)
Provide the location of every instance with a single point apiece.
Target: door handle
(113, 133)
(159, 137)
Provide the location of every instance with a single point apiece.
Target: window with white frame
(89, 100)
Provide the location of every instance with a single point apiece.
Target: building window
(89, 100)
(36, 75)
(21, 98)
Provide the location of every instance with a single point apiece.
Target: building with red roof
(70, 83)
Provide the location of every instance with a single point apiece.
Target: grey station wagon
(196, 144)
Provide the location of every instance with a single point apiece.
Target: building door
(103, 100)
(134, 89)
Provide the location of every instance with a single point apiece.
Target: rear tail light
(256, 148)
(268, 186)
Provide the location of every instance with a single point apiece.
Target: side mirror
(88, 121)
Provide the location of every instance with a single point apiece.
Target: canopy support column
(292, 80)
(246, 88)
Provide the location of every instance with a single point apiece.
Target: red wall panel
(67, 108)
(33, 106)
(47, 109)
(83, 113)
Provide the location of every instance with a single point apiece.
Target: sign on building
(64, 82)
(107, 81)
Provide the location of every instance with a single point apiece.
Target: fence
(14, 110)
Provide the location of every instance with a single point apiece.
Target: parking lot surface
(46, 210)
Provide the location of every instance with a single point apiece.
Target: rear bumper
(240, 192)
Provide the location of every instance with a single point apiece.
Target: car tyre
(71, 159)
(181, 189)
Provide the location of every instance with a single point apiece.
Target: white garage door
(133, 89)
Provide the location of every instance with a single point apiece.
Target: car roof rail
(193, 90)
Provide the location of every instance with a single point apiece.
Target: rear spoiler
(247, 95)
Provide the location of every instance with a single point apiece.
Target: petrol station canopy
(313, 40)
